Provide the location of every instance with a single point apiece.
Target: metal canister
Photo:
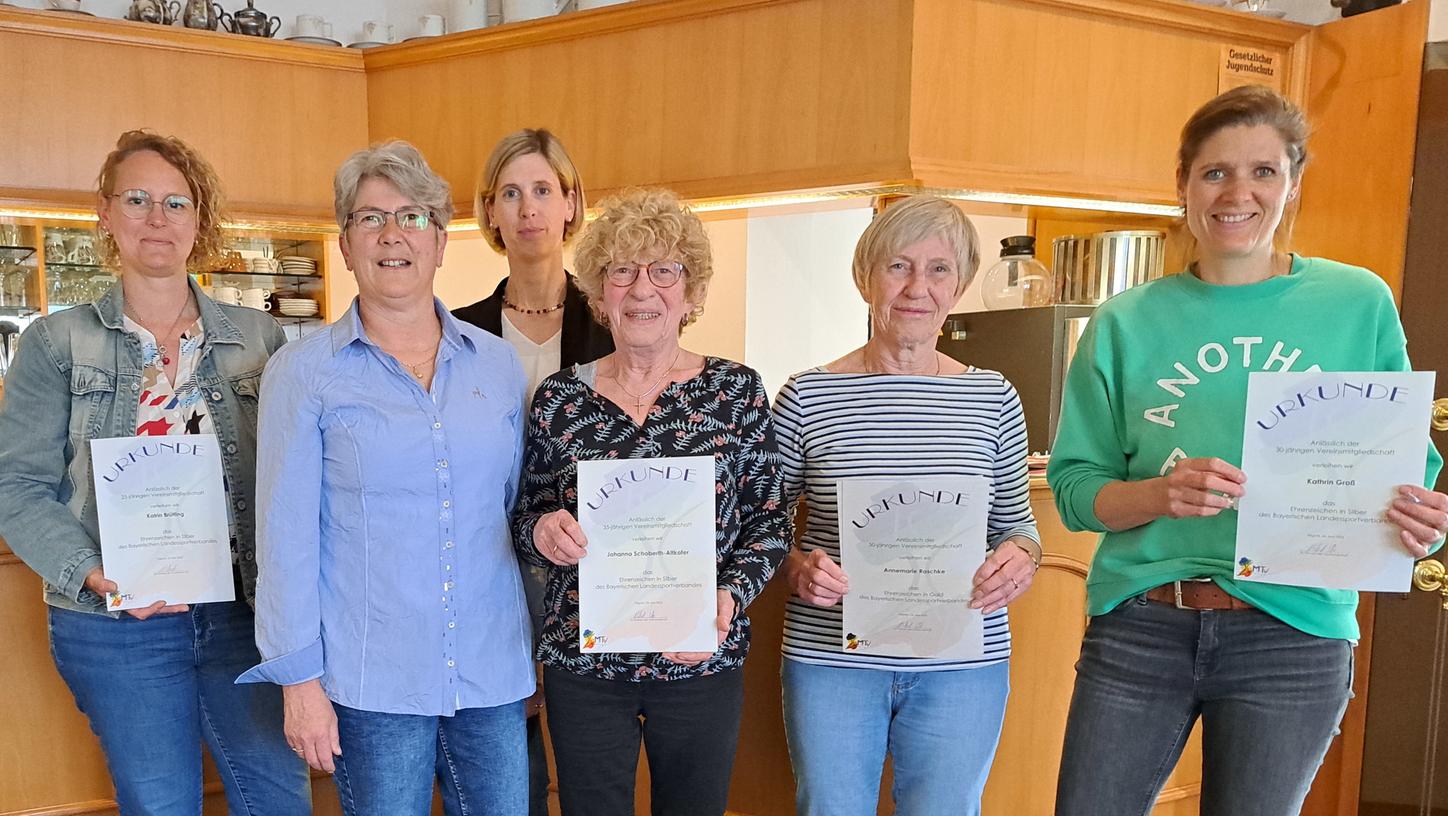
(1091, 268)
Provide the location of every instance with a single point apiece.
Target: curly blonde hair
(636, 221)
(202, 180)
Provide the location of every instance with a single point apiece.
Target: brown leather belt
(1195, 595)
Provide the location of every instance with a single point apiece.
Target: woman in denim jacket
(154, 356)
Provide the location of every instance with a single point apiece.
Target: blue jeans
(1270, 698)
(537, 775)
(388, 762)
(153, 690)
(940, 728)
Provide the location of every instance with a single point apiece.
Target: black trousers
(689, 730)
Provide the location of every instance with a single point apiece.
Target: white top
(539, 360)
(838, 426)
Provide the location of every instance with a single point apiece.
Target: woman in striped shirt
(897, 408)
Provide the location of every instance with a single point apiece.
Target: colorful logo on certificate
(591, 639)
(852, 642)
(1244, 567)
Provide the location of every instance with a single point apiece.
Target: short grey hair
(909, 221)
(402, 165)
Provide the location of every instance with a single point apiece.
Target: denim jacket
(77, 377)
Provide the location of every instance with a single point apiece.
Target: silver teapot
(251, 22)
(202, 14)
(160, 12)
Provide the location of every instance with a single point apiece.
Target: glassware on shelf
(13, 289)
(1017, 279)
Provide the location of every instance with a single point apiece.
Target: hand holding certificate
(1324, 453)
(911, 548)
(164, 530)
(648, 582)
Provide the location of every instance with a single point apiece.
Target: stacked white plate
(297, 265)
(297, 307)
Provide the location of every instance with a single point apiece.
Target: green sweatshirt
(1161, 375)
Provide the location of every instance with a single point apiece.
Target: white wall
(801, 305)
(1438, 21)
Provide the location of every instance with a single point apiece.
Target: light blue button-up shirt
(385, 563)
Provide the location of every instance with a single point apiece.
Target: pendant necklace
(416, 368)
(639, 398)
(161, 349)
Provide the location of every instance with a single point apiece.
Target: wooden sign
(1244, 65)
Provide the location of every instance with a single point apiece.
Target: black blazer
(583, 339)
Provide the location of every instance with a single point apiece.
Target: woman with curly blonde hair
(154, 356)
(644, 267)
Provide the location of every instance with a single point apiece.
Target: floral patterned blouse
(721, 411)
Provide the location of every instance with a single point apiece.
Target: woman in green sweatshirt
(1151, 423)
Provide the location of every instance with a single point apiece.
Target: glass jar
(1017, 280)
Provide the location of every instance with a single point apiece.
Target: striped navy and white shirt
(838, 426)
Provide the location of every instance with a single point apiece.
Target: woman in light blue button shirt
(389, 605)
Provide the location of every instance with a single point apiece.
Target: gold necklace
(416, 368)
(639, 398)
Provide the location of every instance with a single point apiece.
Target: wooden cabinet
(724, 98)
(274, 118)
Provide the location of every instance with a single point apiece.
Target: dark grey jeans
(1270, 698)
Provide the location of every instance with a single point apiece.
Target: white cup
(377, 31)
(465, 15)
(256, 298)
(327, 30)
(518, 10)
(310, 25)
(226, 294)
(431, 25)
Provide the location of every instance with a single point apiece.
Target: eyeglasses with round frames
(137, 204)
(409, 219)
(662, 274)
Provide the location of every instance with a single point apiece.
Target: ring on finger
(1015, 584)
(811, 586)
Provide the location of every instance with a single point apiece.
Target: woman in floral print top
(644, 266)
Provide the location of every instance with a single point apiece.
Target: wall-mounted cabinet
(48, 266)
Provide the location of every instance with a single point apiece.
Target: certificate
(165, 534)
(648, 581)
(1324, 454)
(911, 548)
